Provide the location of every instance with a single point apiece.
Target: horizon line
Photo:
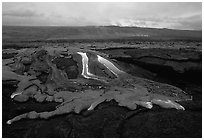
(99, 26)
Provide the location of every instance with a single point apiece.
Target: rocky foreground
(108, 119)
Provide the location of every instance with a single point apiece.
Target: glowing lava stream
(109, 65)
(85, 70)
(105, 62)
(16, 94)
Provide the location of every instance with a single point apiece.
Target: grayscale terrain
(166, 56)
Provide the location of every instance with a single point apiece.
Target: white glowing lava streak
(109, 65)
(16, 94)
(85, 70)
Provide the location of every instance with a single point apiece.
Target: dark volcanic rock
(69, 65)
(164, 124)
(178, 60)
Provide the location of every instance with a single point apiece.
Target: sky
(183, 16)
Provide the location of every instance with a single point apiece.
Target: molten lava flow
(109, 65)
(85, 70)
(16, 94)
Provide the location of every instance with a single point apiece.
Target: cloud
(22, 13)
(192, 22)
(156, 15)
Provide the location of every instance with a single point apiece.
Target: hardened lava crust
(80, 79)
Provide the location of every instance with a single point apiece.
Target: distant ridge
(45, 33)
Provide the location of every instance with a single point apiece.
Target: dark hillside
(20, 33)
